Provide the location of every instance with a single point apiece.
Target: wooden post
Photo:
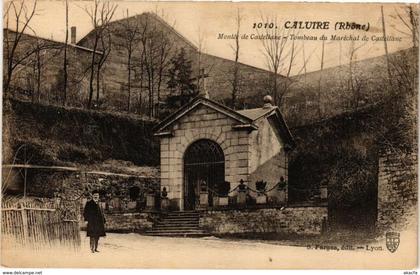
(24, 177)
(24, 222)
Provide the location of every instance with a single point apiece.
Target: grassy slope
(66, 136)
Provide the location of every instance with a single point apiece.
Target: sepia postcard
(216, 135)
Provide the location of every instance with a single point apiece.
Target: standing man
(95, 221)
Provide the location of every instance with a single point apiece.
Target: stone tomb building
(206, 143)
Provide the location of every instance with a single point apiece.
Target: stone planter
(150, 200)
(281, 195)
(132, 205)
(204, 199)
(164, 204)
(324, 192)
(261, 199)
(114, 204)
(222, 201)
(241, 199)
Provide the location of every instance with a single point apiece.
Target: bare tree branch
(100, 15)
(12, 45)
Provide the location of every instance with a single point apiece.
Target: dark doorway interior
(204, 168)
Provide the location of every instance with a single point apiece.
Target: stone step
(184, 235)
(177, 224)
(182, 213)
(182, 216)
(176, 227)
(178, 234)
(165, 226)
(175, 231)
(179, 220)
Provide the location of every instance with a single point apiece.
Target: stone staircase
(178, 224)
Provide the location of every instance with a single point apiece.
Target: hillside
(333, 94)
(74, 137)
(149, 70)
(342, 152)
(311, 96)
(330, 91)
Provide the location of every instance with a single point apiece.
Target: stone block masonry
(293, 220)
(397, 191)
(129, 222)
(203, 123)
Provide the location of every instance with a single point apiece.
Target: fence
(37, 224)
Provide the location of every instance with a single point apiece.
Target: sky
(208, 20)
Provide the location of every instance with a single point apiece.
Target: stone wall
(73, 184)
(267, 159)
(203, 123)
(293, 220)
(397, 191)
(129, 222)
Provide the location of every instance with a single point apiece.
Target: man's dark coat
(96, 221)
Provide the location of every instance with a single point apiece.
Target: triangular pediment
(201, 102)
(280, 127)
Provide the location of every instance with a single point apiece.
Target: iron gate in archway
(204, 168)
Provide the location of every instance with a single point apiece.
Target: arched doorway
(204, 164)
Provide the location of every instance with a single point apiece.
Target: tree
(200, 72)
(386, 45)
(129, 31)
(320, 79)
(39, 65)
(235, 80)
(355, 81)
(180, 83)
(100, 15)
(65, 84)
(21, 20)
(156, 51)
(280, 53)
(106, 46)
(409, 17)
(164, 51)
